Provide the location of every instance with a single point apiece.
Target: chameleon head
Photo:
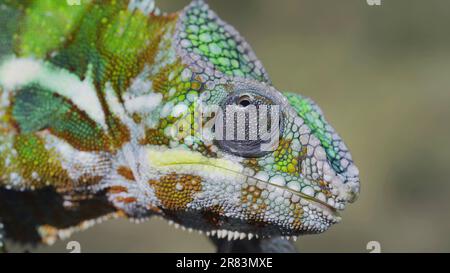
(232, 156)
(290, 181)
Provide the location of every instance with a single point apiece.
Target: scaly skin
(99, 118)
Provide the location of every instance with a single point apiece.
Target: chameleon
(106, 110)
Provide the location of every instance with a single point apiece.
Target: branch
(269, 245)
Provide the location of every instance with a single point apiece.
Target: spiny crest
(202, 36)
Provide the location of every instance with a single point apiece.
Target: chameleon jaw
(180, 158)
(222, 174)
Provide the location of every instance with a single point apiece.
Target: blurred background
(381, 75)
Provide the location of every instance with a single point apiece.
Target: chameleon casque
(98, 119)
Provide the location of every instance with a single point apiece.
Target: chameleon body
(99, 119)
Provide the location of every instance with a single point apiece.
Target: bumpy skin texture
(98, 119)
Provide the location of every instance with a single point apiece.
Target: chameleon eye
(244, 101)
(247, 122)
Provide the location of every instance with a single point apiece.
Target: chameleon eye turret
(105, 114)
(250, 122)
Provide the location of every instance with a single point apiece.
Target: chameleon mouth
(191, 161)
(332, 209)
(312, 199)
